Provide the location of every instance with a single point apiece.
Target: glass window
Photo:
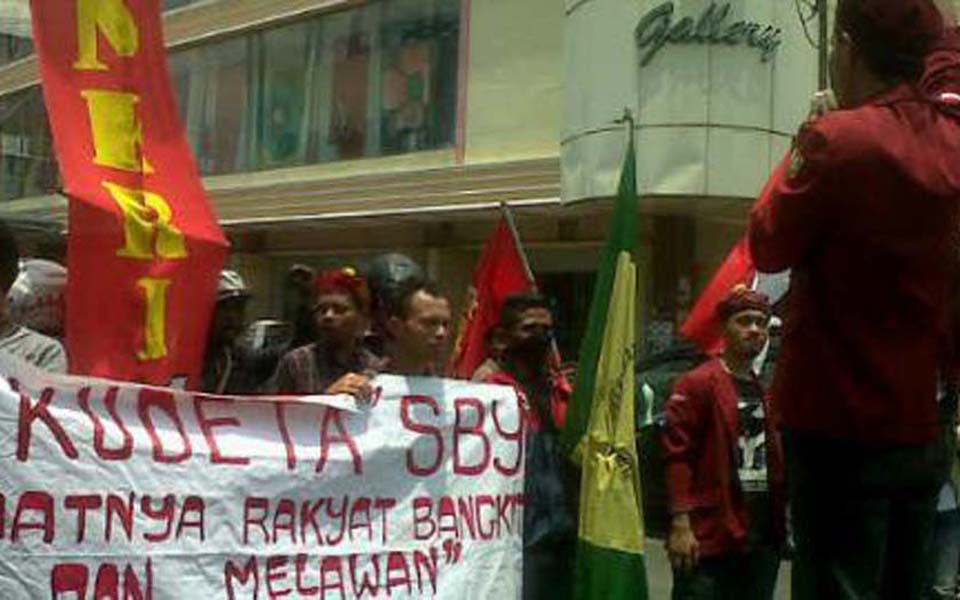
(373, 81)
(27, 166)
(288, 58)
(16, 39)
(213, 87)
(419, 49)
(172, 4)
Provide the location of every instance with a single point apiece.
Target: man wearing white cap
(227, 368)
(16, 339)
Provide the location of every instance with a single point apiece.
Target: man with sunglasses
(724, 467)
(867, 219)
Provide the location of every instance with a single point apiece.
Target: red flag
(500, 273)
(145, 248)
(702, 325)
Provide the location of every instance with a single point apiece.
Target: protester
(549, 534)
(728, 515)
(298, 304)
(387, 275)
(37, 298)
(16, 339)
(229, 367)
(419, 328)
(867, 220)
(495, 347)
(336, 362)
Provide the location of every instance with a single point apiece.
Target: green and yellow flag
(600, 427)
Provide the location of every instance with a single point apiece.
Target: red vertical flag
(144, 245)
(501, 272)
(702, 326)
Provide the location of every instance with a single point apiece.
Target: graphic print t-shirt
(751, 451)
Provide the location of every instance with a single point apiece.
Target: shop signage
(657, 29)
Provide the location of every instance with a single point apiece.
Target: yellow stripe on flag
(610, 514)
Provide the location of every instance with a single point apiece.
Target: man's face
(424, 331)
(747, 333)
(532, 334)
(229, 320)
(339, 321)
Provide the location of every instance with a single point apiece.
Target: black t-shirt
(751, 451)
(751, 455)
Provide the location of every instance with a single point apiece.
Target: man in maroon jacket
(868, 220)
(724, 467)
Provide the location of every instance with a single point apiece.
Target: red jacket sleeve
(942, 66)
(784, 228)
(682, 440)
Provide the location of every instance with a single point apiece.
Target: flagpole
(512, 226)
(630, 122)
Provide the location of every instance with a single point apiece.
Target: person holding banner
(15, 339)
(419, 327)
(549, 522)
(867, 218)
(336, 363)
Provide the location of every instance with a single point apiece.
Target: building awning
(266, 198)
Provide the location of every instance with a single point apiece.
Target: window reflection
(372, 81)
(27, 167)
(15, 31)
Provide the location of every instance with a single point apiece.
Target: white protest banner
(127, 492)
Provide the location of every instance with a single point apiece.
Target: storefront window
(15, 33)
(15, 36)
(172, 4)
(14, 47)
(213, 86)
(27, 167)
(373, 81)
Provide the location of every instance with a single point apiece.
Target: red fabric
(703, 325)
(106, 306)
(699, 441)
(741, 299)
(344, 281)
(499, 274)
(868, 225)
(561, 393)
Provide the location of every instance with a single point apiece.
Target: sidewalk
(660, 578)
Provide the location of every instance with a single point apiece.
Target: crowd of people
(844, 465)
(347, 328)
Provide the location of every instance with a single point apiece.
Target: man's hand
(682, 546)
(821, 103)
(354, 384)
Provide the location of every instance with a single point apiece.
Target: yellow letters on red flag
(145, 249)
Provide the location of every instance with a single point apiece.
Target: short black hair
(9, 257)
(517, 304)
(889, 62)
(397, 303)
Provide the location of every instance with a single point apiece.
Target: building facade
(329, 131)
